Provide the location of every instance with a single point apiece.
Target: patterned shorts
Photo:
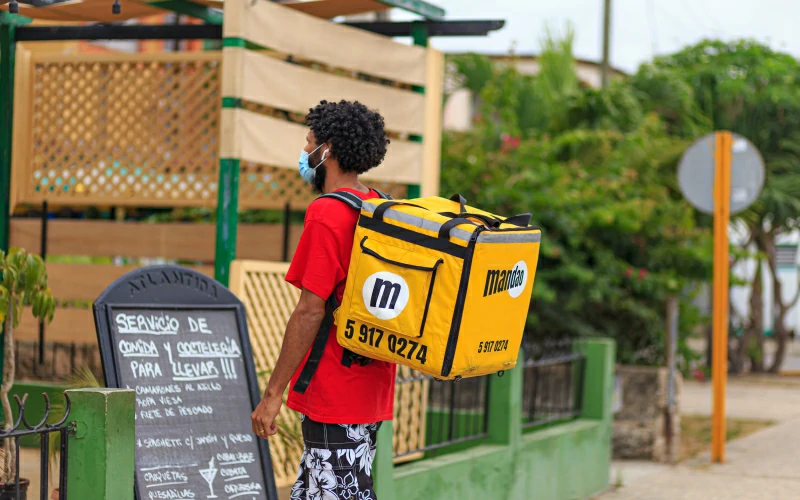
(336, 462)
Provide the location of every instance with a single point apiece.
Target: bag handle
(521, 220)
(462, 202)
(444, 231)
(386, 205)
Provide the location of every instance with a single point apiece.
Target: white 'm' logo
(385, 295)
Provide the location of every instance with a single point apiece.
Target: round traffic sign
(696, 173)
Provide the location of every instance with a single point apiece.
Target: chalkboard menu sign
(180, 340)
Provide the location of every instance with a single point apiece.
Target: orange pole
(722, 214)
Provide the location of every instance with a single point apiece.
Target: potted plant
(24, 283)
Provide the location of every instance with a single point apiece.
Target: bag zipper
(452, 339)
(373, 253)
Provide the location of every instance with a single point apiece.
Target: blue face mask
(306, 171)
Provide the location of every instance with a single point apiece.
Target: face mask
(306, 171)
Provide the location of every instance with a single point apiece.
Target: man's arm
(301, 330)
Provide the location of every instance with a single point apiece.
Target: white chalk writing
(242, 488)
(240, 438)
(169, 475)
(146, 402)
(198, 325)
(168, 467)
(207, 439)
(151, 370)
(191, 371)
(162, 443)
(205, 349)
(150, 414)
(171, 494)
(139, 324)
(157, 389)
(235, 458)
(195, 410)
(234, 474)
(209, 387)
(138, 348)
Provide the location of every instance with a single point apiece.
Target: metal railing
(56, 361)
(21, 428)
(552, 382)
(457, 412)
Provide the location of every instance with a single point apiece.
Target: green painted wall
(566, 461)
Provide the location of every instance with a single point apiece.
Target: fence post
(100, 454)
(598, 376)
(383, 466)
(505, 404)
(227, 218)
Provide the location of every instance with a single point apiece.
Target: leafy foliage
(748, 88)
(24, 283)
(597, 171)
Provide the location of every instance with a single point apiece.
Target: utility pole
(604, 68)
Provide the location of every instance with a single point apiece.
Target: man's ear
(329, 148)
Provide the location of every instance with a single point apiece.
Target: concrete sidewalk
(763, 465)
(764, 398)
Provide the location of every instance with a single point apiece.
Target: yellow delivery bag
(439, 286)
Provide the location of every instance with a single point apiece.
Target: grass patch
(696, 433)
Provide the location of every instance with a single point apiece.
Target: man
(342, 407)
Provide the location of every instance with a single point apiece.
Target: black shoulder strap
(382, 195)
(352, 200)
(348, 199)
(318, 347)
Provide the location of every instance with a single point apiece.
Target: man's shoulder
(326, 208)
(333, 214)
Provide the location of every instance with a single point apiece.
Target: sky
(640, 28)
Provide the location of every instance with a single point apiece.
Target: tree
(744, 87)
(596, 170)
(24, 283)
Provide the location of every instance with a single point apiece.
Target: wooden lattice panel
(123, 129)
(410, 407)
(135, 130)
(269, 302)
(261, 186)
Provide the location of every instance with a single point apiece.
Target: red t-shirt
(337, 394)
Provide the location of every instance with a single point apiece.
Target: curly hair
(358, 139)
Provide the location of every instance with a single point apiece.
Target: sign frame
(152, 287)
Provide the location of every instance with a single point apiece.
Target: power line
(651, 14)
(680, 22)
(690, 7)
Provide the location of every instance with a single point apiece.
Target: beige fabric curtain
(271, 141)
